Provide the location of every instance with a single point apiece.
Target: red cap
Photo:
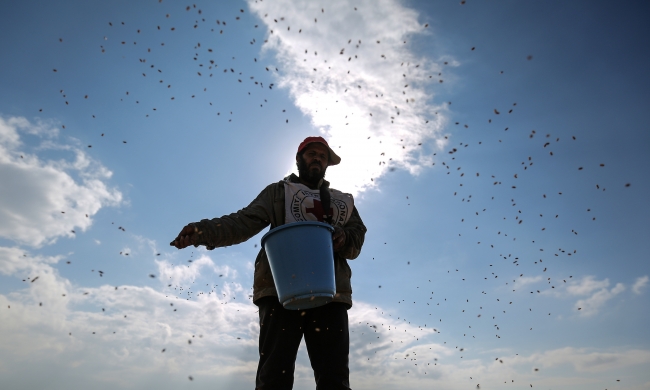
(333, 159)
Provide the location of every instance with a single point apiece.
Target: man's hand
(188, 236)
(338, 238)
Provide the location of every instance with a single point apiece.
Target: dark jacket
(269, 208)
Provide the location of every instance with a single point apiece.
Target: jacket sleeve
(355, 232)
(237, 227)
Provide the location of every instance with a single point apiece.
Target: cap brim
(334, 158)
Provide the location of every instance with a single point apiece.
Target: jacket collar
(293, 178)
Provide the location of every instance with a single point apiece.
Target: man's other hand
(188, 236)
(338, 238)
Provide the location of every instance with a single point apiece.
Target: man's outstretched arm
(230, 229)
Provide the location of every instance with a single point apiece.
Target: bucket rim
(296, 224)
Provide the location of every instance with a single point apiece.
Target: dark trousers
(326, 336)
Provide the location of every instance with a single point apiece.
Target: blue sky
(496, 263)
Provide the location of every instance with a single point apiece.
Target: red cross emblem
(317, 210)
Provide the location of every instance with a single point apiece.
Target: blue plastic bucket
(302, 263)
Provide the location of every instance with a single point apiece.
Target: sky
(497, 153)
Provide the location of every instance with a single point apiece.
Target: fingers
(178, 242)
(188, 230)
(182, 241)
(185, 237)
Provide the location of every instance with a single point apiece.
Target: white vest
(303, 204)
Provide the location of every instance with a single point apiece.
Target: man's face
(313, 163)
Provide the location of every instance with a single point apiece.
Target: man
(295, 199)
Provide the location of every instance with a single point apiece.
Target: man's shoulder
(339, 193)
(334, 191)
(275, 186)
(275, 189)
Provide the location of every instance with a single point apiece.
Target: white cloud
(597, 292)
(15, 260)
(121, 332)
(586, 286)
(43, 284)
(121, 346)
(9, 135)
(359, 82)
(148, 242)
(383, 348)
(586, 360)
(51, 323)
(525, 280)
(592, 305)
(185, 274)
(640, 284)
(47, 199)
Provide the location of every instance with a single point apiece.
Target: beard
(307, 174)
